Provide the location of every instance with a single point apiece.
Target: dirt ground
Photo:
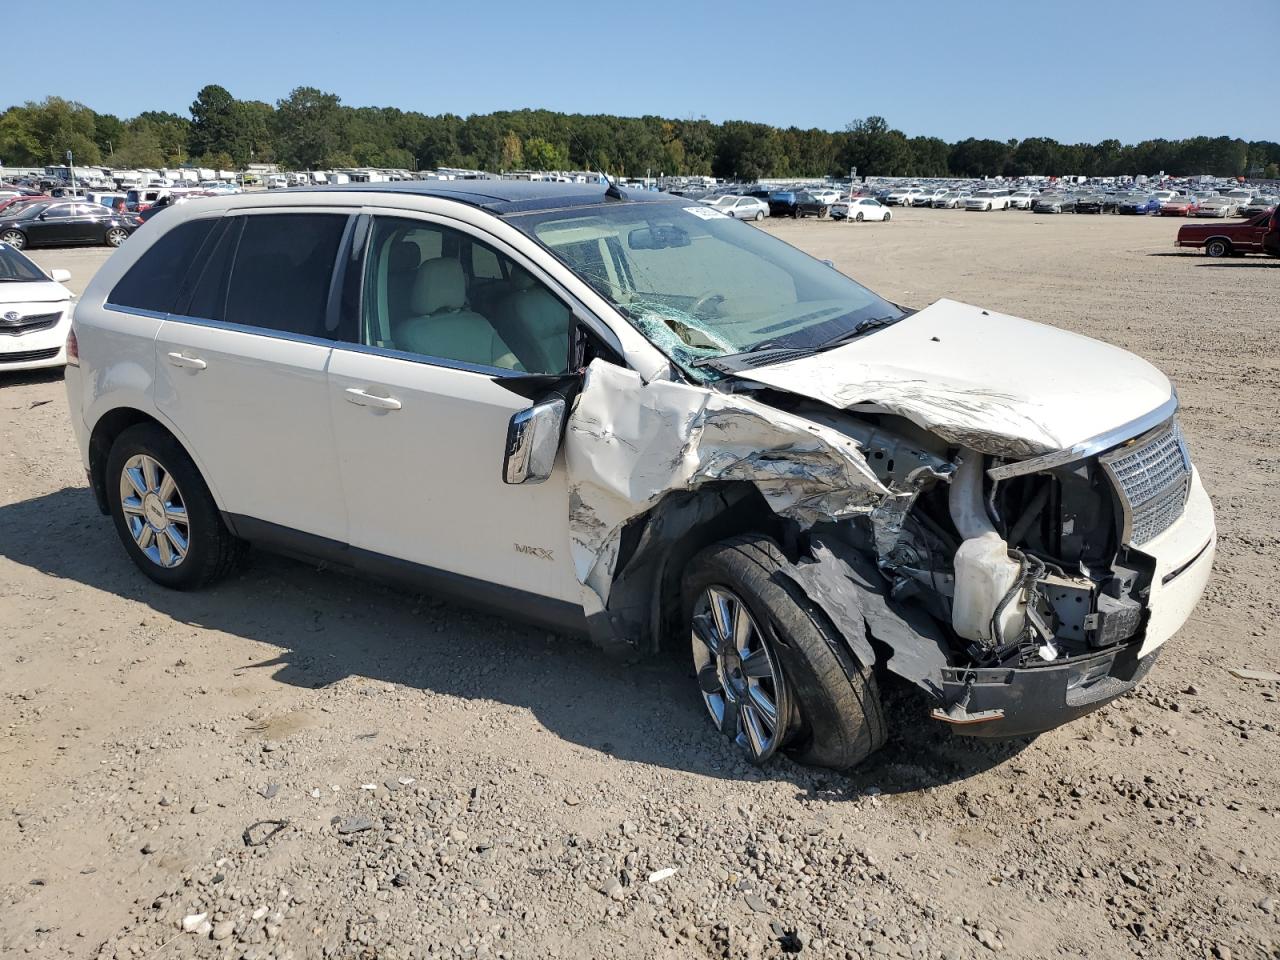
(507, 793)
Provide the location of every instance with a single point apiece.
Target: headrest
(405, 256)
(522, 279)
(439, 286)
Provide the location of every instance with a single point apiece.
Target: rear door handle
(364, 399)
(182, 360)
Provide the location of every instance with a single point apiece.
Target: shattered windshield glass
(700, 285)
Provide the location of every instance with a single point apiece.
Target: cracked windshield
(702, 286)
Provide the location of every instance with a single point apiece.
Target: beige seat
(441, 326)
(538, 325)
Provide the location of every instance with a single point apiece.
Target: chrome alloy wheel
(740, 681)
(154, 510)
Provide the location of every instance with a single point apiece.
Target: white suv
(633, 417)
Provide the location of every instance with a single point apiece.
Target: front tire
(116, 236)
(758, 642)
(14, 238)
(164, 513)
(887, 216)
(1217, 248)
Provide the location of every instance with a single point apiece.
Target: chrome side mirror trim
(533, 440)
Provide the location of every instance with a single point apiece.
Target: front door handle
(365, 399)
(191, 363)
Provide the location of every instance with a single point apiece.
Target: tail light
(73, 349)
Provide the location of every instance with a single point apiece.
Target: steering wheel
(706, 300)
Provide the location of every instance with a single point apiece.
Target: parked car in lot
(951, 199)
(808, 205)
(826, 195)
(1220, 207)
(1179, 206)
(861, 208)
(1022, 199)
(742, 208)
(1137, 204)
(1054, 203)
(1225, 239)
(1259, 204)
(35, 314)
(65, 223)
(901, 196)
(1096, 203)
(988, 200)
(782, 203)
(9, 206)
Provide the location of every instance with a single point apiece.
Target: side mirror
(533, 440)
(60, 275)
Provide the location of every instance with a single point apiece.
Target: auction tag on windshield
(706, 213)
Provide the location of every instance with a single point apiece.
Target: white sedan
(35, 314)
(742, 208)
(861, 208)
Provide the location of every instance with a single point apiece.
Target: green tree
(511, 154)
(541, 154)
(311, 129)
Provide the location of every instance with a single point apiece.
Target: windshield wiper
(859, 328)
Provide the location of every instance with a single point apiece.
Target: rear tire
(1217, 249)
(835, 716)
(859, 218)
(759, 215)
(208, 549)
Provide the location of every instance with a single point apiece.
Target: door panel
(424, 482)
(255, 407)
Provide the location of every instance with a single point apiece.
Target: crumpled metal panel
(628, 443)
(936, 368)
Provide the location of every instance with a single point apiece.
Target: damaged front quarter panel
(630, 445)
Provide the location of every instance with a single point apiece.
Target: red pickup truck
(1226, 239)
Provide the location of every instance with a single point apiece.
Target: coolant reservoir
(984, 571)
(984, 575)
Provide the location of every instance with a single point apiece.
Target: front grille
(39, 321)
(24, 356)
(1153, 477)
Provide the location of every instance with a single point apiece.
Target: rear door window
(272, 271)
(153, 282)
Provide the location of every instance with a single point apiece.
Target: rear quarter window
(152, 283)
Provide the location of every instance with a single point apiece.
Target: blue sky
(1074, 70)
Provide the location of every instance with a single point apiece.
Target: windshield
(699, 284)
(15, 267)
(27, 211)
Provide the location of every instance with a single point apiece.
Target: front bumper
(1018, 702)
(39, 349)
(1014, 702)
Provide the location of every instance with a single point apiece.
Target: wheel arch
(657, 545)
(1227, 240)
(106, 429)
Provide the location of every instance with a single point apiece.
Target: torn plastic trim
(845, 583)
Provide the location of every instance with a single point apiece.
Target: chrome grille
(39, 321)
(1153, 476)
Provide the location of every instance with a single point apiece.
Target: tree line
(312, 129)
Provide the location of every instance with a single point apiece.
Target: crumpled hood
(992, 382)
(39, 291)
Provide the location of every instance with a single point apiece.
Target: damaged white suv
(636, 418)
